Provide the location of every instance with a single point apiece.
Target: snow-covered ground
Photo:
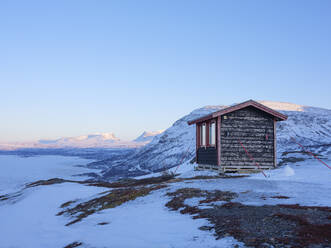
(146, 222)
(16, 171)
(307, 183)
(31, 221)
(141, 223)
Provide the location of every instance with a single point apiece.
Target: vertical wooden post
(218, 140)
(197, 141)
(207, 133)
(275, 144)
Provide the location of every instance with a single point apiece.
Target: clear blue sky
(75, 67)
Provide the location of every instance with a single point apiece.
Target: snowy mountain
(308, 125)
(147, 136)
(91, 140)
(97, 140)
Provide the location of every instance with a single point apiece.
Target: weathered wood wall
(255, 129)
(207, 155)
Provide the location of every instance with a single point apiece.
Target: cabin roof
(278, 116)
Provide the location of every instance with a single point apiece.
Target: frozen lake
(16, 171)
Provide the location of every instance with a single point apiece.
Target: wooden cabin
(238, 138)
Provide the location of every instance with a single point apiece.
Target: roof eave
(257, 105)
(201, 119)
(278, 116)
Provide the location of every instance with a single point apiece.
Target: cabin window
(203, 135)
(212, 133)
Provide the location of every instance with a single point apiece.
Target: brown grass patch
(111, 199)
(73, 244)
(310, 234)
(294, 218)
(297, 206)
(103, 223)
(179, 197)
(66, 204)
(3, 197)
(280, 197)
(129, 182)
(50, 182)
(258, 226)
(307, 233)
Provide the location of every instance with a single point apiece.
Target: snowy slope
(309, 125)
(164, 151)
(129, 224)
(147, 136)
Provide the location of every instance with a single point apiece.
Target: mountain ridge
(96, 140)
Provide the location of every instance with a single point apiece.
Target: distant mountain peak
(103, 136)
(147, 136)
(90, 138)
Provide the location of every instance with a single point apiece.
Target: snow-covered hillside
(308, 125)
(147, 136)
(166, 150)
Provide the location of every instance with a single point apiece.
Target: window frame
(210, 133)
(203, 138)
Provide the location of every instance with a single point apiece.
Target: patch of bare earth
(124, 183)
(74, 244)
(109, 199)
(280, 197)
(3, 197)
(258, 226)
(118, 184)
(179, 197)
(127, 182)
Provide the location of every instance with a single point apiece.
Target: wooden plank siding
(197, 140)
(218, 140)
(256, 131)
(275, 144)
